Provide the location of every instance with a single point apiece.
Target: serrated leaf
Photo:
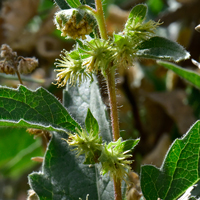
(26, 124)
(77, 100)
(179, 170)
(91, 123)
(37, 107)
(162, 48)
(137, 15)
(189, 75)
(64, 176)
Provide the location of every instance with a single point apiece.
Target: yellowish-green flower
(99, 55)
(86, 143)
(141, 31)
(124, 51)
(114, 161)
(70, 69)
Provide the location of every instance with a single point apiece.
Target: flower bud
(74, 23)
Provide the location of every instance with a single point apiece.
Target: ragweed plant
(102, 158)
(98, 53)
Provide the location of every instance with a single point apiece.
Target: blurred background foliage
(154, 103)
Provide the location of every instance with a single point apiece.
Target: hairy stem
(113, 104)
(110, 77)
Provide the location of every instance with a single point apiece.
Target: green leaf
(39, 108)
(179, 170)
(188, 75)
(77, 100)
(118, 37)
(74, 3)
(127, 145)
(124, 146)
(64, 4)
(64, 176)
(137, 15)
(26, 124)
(17, 147)
(162, 48)
(91, 123)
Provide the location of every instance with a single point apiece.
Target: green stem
(110, 77)
(101, 20)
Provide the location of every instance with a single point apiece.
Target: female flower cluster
(95, 55)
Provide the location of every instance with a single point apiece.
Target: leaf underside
(77, 100)
(179, 170)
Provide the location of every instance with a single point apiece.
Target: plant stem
(113, 103)
(117, 189)
(110, 77)
(101, 20)
(19, 77)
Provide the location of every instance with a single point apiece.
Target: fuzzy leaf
(64, 176)
(26, 124)
(39, 108)
(124, 146)
(63, 4)
(188, 75)
(74, 3)
(162, 48)
(127, 145)
(137, 15)
(179, 170)
(77, 100)
(91, 123)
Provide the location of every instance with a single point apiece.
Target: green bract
(114, 158)
(75, 23)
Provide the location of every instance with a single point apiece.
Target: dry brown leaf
(133, 189)
(173, 104)
(157, 155)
